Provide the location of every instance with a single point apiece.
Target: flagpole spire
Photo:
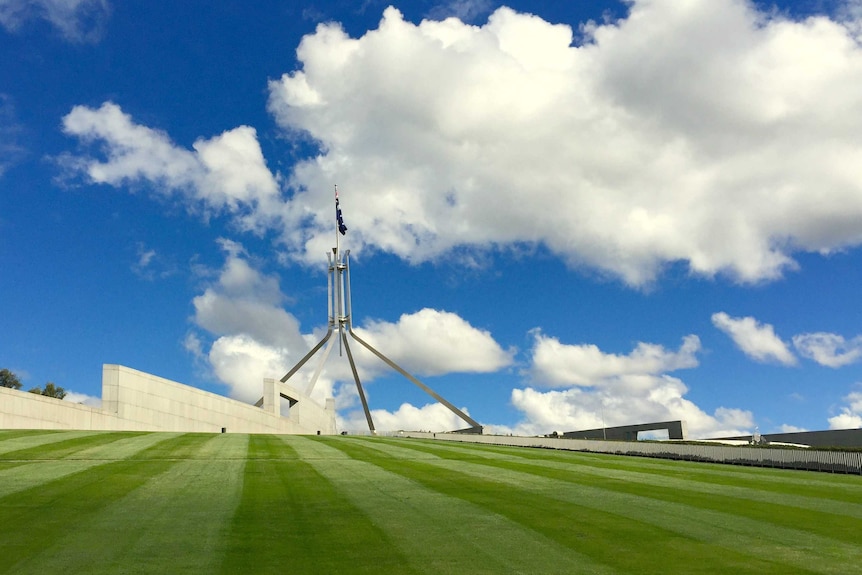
(337, 218)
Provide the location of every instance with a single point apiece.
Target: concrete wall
(804, 459)
(136, 401)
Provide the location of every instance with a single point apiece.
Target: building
(136, 401)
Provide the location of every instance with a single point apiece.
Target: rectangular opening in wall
(654, 435)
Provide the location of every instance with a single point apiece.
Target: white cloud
(828, 349)
(562, 365)
(245, 301)
(243, 363)
(432, 342)
(846, 420)
(851, 414)
(255, 336)
(429, 417)
(787, 428)
(83, 398)
(662, 400)
(426, 343)
(76, 20)
(226, 174)
(607, 389)
(193, 344)
(756, 340)
(711, 134)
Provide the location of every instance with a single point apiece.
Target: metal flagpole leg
(319, 369)
(308, 355)
(418, 383)
(358, 384)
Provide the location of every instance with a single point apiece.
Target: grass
(84, 502)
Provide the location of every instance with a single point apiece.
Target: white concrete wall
(136, 401)
(24, 410)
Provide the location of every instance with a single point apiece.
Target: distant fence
(805, 459)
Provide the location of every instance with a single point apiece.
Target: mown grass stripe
(226, 446)
(25, 475)
(439, 532)
(123, 444)
(719, 521)
(30, 439)
(7, 434)
(176, 446)
(61, 506)
(173, 523)
(66, 448)
(22, 475)
(720, 545)
(850, 504)
(838, 485)
(291, 519)
(52, 509)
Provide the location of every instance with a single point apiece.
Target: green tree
(50, 390)
(9, 379)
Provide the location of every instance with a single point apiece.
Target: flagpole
(336, 223)
(338, 277)
(341, 314)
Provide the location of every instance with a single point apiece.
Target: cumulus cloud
(254, 336)
(828, 349)
(605, 389)
(712, 134)
(432, 342)
(561, 365)
(661, 400)
(429, 417)
(245, 301)
(850, 416)
(226, 174)
(76, 20)
(243, 363)
(756, 340)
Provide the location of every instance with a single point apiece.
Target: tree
(50, 390)
(9, 379)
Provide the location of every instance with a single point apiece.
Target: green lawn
(88, 502)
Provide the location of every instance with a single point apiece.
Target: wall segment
(136, 401)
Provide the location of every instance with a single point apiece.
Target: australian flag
(338, 218)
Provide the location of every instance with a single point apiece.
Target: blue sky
(558, 215)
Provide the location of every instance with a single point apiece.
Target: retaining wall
(136, 401)
(807, 459)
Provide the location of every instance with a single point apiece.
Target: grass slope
(83, 502)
